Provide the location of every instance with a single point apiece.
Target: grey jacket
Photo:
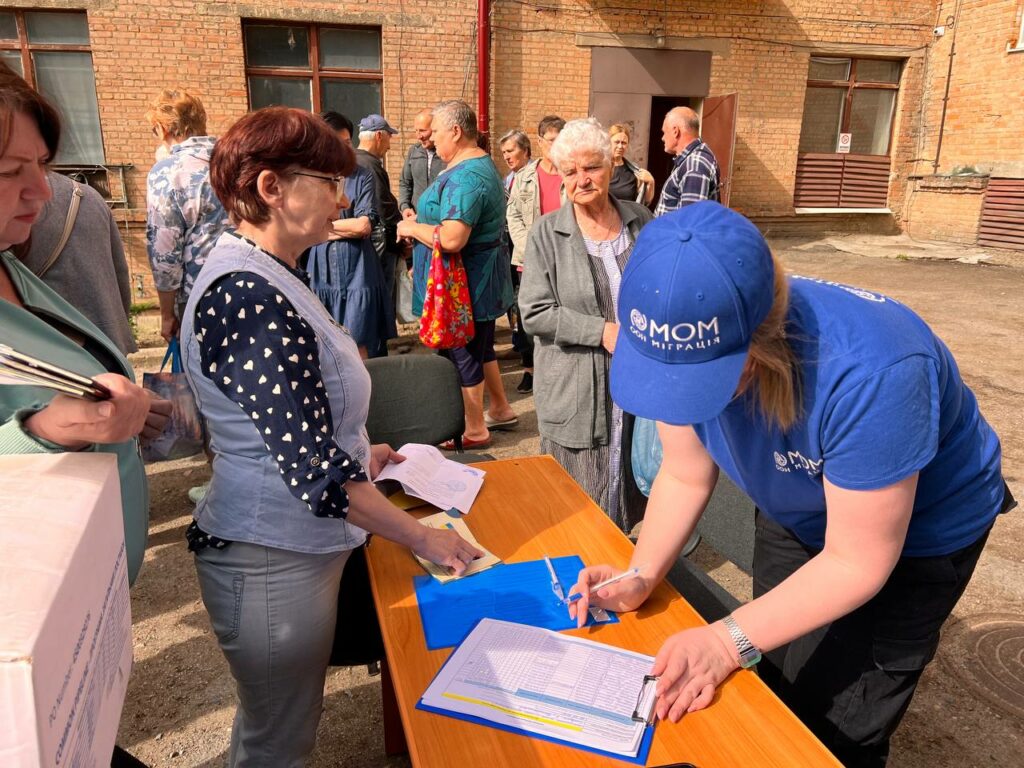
(415, 178)
(523, 209)
(558, 301)
(91, 273)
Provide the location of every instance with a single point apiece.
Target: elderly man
(695, 170)
(422, 165)
(536, 190)
(374, 142)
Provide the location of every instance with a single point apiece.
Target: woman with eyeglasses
(346, 272)
(285, 395)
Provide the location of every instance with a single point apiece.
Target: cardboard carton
(65, 619)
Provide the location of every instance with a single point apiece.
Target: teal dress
(471, 192)
(35, 331)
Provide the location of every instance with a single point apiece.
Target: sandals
(467, 444)
(504, 424)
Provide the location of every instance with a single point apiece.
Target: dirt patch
(181, 697)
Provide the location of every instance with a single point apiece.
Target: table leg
(394, 734)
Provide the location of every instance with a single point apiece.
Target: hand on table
(381, 455)
(447, 548)
(691, 665)
(626, 595)
(75, 424)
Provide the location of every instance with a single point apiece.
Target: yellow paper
(441, 521)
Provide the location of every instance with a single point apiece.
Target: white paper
(428, 475)
(546, 683)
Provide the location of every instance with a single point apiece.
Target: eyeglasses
(338, 181)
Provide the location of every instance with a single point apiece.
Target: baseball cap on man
(699, 283)
(376, 123)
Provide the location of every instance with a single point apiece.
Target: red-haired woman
(285, 396)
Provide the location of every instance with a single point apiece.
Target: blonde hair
(772, 372)
(620, 128)
(178, 113)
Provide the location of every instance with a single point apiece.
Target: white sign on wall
(844, 142)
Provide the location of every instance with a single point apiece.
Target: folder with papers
(550, 686)
(518, 592)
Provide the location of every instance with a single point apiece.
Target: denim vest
(248, 498)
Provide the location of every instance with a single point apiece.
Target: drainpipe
(483, 64)
(949, 77)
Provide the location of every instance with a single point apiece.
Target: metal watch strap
(749, 655)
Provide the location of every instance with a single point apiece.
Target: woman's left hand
(645, 176)
(157, 418)
(381, 455)
(407, 228)
(691, 665)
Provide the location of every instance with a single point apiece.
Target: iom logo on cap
(679, 337)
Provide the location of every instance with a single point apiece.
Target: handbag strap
(69, 224)
(174, 355)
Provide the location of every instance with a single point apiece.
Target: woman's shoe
(468, 444)
(525, 385)
(502, 424)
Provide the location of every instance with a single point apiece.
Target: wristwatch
(748, 653)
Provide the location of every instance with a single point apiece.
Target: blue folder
(519, 592)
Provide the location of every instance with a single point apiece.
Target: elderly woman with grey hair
(466, 203)
(574, 262)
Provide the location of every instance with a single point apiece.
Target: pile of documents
(22, 369)
(548, 685)
(453, 522)
(428, 475)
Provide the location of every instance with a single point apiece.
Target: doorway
(659, 162)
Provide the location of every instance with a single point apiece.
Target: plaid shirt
(695, 177)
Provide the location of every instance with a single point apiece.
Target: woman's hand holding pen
(626, 595)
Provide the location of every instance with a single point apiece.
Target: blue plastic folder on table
(519, 592)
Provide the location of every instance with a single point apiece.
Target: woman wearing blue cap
(845, 418)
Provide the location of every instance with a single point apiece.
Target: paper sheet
(441, 573)
(428, 475)
(543, 683)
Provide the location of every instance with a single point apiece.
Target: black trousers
(851, 682)
(522, 342)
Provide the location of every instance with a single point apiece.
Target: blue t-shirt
(473, 193)
(882, 399)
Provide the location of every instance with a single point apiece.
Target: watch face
(750, 658)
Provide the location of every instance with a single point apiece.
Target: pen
(632, 572)
(556, 584)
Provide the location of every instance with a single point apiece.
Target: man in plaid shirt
(695, 172)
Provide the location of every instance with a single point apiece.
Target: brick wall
(762, 53)
(984, 125)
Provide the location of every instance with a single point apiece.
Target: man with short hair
(374, 142)
(421, 166)
(536, 190)
(695, 174)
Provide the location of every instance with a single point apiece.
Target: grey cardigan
(91, 273)
(558, 301)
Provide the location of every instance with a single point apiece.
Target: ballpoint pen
(556, 584)
(628, 574)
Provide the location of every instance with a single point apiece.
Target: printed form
(428, 475)
(545, 683)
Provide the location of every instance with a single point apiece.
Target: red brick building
(805, 80)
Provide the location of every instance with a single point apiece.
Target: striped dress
(603, 470)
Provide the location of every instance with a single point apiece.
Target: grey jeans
(274, 614)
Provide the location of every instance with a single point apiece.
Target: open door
(718, 129)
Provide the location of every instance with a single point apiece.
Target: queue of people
(274, 250)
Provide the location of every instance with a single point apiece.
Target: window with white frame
(50, 49)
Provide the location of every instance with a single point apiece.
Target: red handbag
(447, 319)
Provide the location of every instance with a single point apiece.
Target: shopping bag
(646, 454)
(183, 434)
(404, 308)
(447, 319)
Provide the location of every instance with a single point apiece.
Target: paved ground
(969, 710)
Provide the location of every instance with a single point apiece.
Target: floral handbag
(447, 319)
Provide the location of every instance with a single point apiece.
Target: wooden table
(530, 507)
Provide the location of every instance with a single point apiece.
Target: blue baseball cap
(699, 282)
(376, 123)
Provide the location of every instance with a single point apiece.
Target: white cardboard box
(65, 618)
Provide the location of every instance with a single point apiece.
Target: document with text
(428, 475)
(546, 684)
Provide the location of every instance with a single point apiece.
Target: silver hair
(520, 138)
(367, 135)
(584, 135)
(456, 112)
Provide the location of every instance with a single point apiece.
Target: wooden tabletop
(530, 507)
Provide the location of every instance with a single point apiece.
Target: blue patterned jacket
(184, 217)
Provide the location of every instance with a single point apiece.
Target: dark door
(718, 129)
(659, 162)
